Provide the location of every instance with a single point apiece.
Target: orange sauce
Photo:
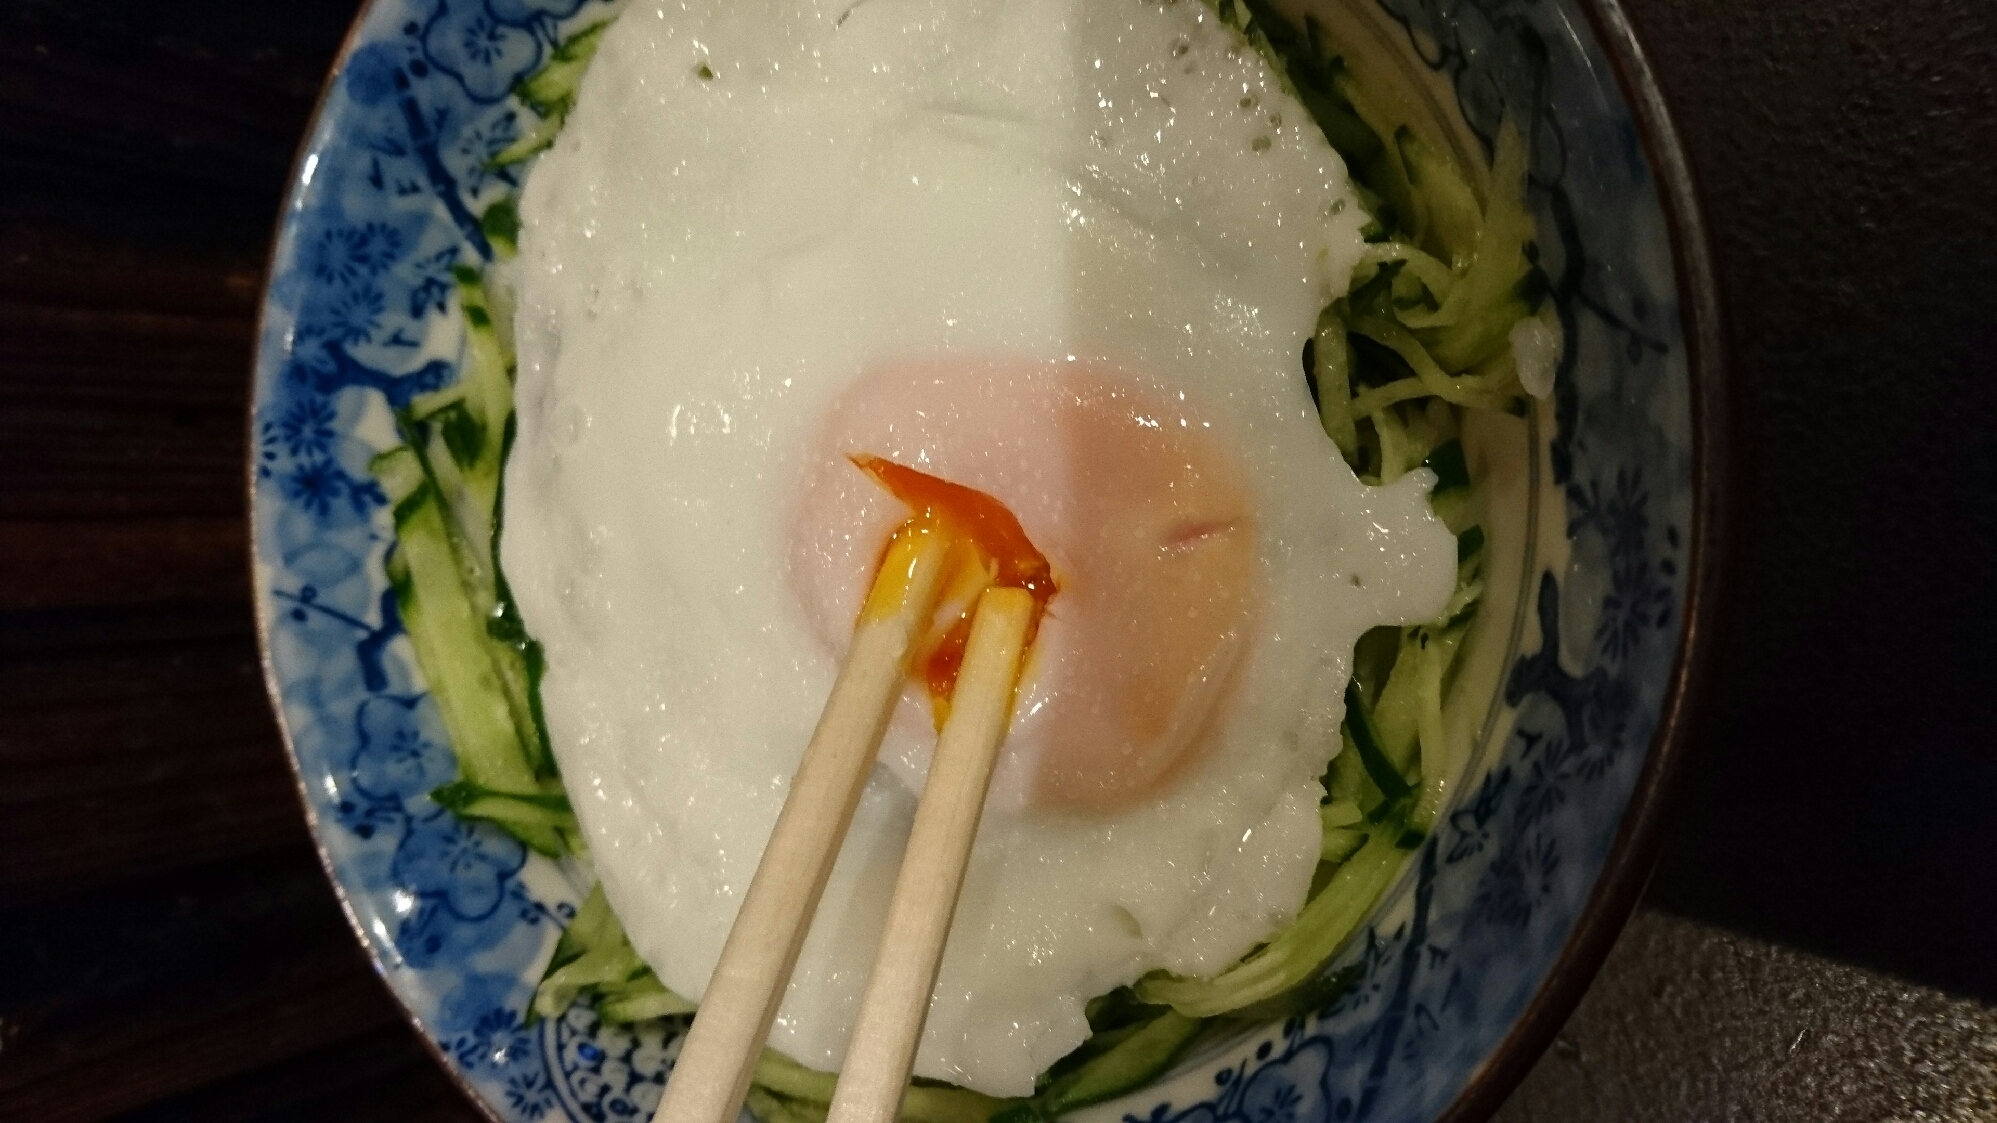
(997, 546)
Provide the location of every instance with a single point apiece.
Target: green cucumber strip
(1453, 508)
(471, 531)
(1448, 219)
(786, 1077)
(768, 1108)
(551, 90)
(1435, 771)
(1393, 438)
(423, 406)
(487, 376)
(506, 627)
(594, 926)
(1099, 1042)
(639, 983)
(1345, 780)
(591, 971)
(937, 1103)
(1296, 953)
(501, 225)
(1341, 843)
(1436, 658)
(1475, 322)
(642, 1007)
(399, 473)
(1459, 618)
(593, 957)
(1460, 390)
(1331, 354)
(1134, 1062)
(1366, 740)
(1417, 265)
(475, 801)
(447, 632)
(471, 515)
(1342, 813)
(528, 818)
(532, 143)
(1393, 713)
(1316, 993)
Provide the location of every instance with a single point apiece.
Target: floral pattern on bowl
(396, 187)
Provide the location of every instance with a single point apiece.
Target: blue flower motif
(1639, 598)
(349, 316)
(401, 754)
(317, 485)
(1517, 880)
(462, 865)
(497, 1043)
(1292, 1091)
(348, 255)
(307, 427)
(325, 489)
(1544, 791)
(531, 1094)
(1637, 601)
(1619, 513)
(486, 56)
(1472, 822)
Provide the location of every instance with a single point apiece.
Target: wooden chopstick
(712, 1075)
(896, 1003)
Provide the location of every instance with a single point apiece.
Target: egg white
(708, 262)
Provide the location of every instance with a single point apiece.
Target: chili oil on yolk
(988, 548)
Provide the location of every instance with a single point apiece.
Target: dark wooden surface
(172, 950)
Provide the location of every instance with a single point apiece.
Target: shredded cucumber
(643, 999)
(445, 485)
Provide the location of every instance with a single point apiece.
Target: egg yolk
(1055, 475)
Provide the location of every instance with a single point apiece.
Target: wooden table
(170, 946)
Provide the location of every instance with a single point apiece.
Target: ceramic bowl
(1602, 533)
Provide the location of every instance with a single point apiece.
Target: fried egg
(1065, 252)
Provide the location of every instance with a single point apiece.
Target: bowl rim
(1632, 855)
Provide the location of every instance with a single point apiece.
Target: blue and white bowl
(1602, 568)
